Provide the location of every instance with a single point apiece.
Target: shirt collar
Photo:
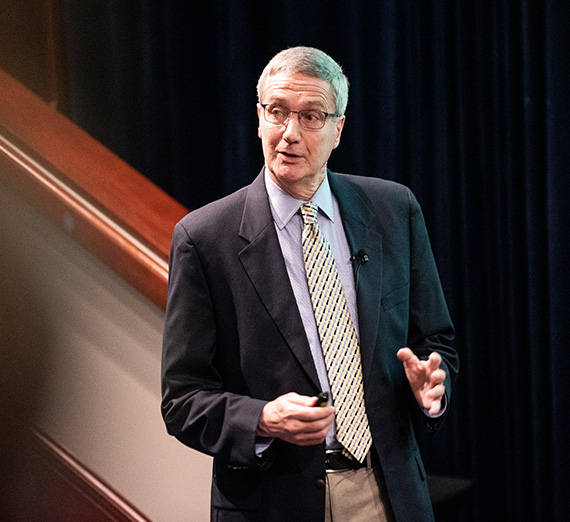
(284, 207)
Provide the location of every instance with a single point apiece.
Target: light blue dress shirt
(289, 225)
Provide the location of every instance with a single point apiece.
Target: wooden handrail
(71, 489)
(99, 200)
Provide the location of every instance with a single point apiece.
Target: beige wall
(102, 399)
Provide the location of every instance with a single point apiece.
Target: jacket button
(320, 483)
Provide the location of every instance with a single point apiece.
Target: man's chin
(291, 177)
(296, 182)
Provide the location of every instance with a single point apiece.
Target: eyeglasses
(310, 119)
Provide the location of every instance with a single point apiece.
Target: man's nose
(292, 130)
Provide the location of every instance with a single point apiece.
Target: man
(246, 351)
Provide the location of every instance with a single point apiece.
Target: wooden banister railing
(99, 200)
(59, 487)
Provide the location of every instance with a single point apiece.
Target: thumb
(404, 354)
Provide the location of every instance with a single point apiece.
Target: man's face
(296, 157)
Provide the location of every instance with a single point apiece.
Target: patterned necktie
(338, 338)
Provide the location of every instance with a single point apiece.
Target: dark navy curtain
(467, 102)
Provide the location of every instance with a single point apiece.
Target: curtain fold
(465, 102)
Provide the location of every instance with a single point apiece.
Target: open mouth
(289, 155)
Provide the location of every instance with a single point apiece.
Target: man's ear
(339, 126)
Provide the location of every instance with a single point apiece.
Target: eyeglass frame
(298, 113)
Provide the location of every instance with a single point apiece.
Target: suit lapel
(360, 226)
(264, 264)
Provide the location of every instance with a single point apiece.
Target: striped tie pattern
(338, 338)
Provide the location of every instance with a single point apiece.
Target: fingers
(433, 398)
(436, 374)
(405, 354)
(295, 418)
(295, 398)
(429, 368)
(437, 377)
(426, 378)
(412, 364)
(434, 361)
(435, 407)
(434, 394)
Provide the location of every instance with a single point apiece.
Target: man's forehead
(283, 86)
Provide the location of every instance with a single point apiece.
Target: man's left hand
(426, 379)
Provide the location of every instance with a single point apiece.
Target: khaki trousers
(357, 496)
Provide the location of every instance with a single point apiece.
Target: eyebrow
(309, 105)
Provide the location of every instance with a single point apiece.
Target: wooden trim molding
(99, 200)
(64, 489)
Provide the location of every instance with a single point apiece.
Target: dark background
(466, 102)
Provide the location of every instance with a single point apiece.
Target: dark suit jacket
(234, 340)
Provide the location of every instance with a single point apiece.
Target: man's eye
(277, 111)
(312, 116)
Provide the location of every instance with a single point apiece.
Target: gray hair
(311, 62)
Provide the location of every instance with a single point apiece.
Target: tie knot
(309, 213)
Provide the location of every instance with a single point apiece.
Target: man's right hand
(294, 418)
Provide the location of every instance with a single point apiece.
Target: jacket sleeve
(196, 407)
(430, 326)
